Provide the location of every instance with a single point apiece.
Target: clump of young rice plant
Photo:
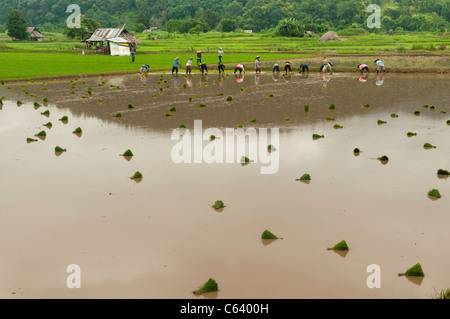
(342, 245)
(415, 271)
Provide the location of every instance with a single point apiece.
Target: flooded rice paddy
(159, 237)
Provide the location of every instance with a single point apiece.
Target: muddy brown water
(160, 238)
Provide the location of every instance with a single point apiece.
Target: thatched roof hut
(330, 36)
(35, 34)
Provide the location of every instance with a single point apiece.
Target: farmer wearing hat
(257, 65)
(176, 64)
(199, 57)
(220, 53)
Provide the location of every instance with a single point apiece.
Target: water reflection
(325, 80)
(239, 77)
(189, 80)
(363, 78)
(380, 79)
(275, 76)
(257, 78)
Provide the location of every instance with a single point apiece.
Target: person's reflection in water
(275, 76)
(221, 78)
(201, 79)
(363, 78)
(325, 79)
(239, 77)
(144, 78)
(305, 75)
(189, 80)
(287, 77)
(380, 79)
(257, 78)
(175, 81)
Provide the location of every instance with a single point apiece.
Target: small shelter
(35, 34)
(112, 41)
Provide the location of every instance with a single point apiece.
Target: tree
(142, 19)
(290, 28)
(228, 25)
(139, 27)
(90, 24)
(17, 25)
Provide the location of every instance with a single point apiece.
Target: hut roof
(329, 36)
(34, 33)
(101, 35)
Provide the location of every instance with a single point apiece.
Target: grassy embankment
(56, 58)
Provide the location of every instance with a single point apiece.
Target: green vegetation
(78, 130)
(118, 114)
(379, 122)
(202, 105)
(45, 99)
(48, 125)
(173, 109)
(356, 151)
(130, 106)
(209, 286)
(239, 126)
(342, 245)
(41, 134)
(317, 136)
(270, 95)
(19, 103)
(428, 145)
(137, 175)
(31, 140)
(253, 120)
(241, 89)
(330, 119)
(46, 113)
(337, 126)
(383, 158)
(270, 148)
(443, 172)
(393, 115)
(434, 193)
(59, 149)
(304, 177)
(443, 111)
(448, 122)
(100, 100)
(169, 115)
(218, 204)
(417, 113)
(306, 108)
(245, 160)
(212, 138)
(410, 134)
(443, 294)
(287, 118)
(332, 107)
(268, 235)
(128, 153)
(65, 118)
(36, 104)
(190, 98)
(415, 270)
(182, 125)
(432, 107)
(229, 98)
(425, 106)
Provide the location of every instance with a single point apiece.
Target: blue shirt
(176, 63)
